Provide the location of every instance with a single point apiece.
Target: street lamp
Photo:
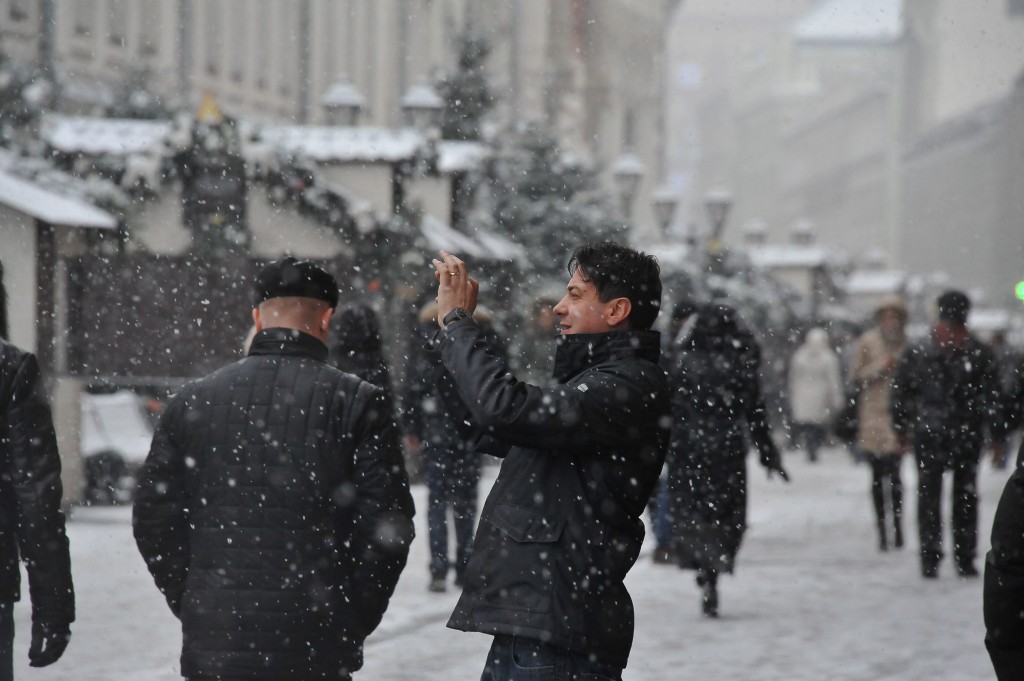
(664, 203)
(627, 173)
(718, 202)
(422, 106)
(342, 102)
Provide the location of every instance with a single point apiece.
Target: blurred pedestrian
(716, 404)
(562, 524)
(31, 521)
(1011, 368)
(874, 362)
(815, 391)
(443, 429)
(273, 509)
(535, 351)
(945, 394)
(358, 348)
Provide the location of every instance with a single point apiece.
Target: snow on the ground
(812, 599)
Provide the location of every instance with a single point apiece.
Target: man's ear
(256, 321)
(325, 320)
(618, 311)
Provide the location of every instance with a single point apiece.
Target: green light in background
(1019, 290)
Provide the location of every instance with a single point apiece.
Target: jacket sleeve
(35, 480)
(560, 418)
(757, 413)
(383, 529)
(1003, 597)
(160, 515)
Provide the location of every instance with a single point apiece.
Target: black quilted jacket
(31, 522)
(274, 513)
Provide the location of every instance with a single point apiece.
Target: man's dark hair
(618, 271)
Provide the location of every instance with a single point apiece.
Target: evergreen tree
(546, 201)
(465, 92)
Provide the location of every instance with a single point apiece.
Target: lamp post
(627, 173)
(342, 102)
(422, 106)
(664, 203)
(718, 202)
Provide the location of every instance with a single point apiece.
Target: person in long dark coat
(716, 403)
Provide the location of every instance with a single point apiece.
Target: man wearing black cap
(273, 509)
(945, 392)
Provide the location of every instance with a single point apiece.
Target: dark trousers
(514, 658)
(965, 508)
(887, 495)
(6, 641)
(452, 477)
(810, 436)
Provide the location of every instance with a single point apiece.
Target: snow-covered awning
(90, 135)
(454, 156)
(868, 282)
(846, 22)
(48, 206)
(778, 256)
(482, 244)
(346, 144)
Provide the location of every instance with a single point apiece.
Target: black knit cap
(289, 277)
(954, 307)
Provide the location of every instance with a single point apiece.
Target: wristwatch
(457, 313)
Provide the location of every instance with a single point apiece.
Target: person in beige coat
(874, 361)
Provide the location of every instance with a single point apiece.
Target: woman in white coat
(815, 391)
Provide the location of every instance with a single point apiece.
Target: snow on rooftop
(500, 247)
(42, 204)
(346, 144)
(454, 156)
(342, 93)
(779, 256)
(867, 282)
(852, 21)
(89, 135)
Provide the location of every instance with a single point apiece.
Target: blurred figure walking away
(815, 391)
(439, 424)
(31, 521)
(945, 394)
(534, 356)
(874, 362)
(716, 403)
(357, 348)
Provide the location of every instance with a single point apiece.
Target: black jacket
(562, 524)
(31, 521)
(1004, 582)
(274, 513)
(944, 400)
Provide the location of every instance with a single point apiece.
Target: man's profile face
(580, 310)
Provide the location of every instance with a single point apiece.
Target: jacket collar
(579, 351)
(291, 342)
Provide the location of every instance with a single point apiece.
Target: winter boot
(897, 511)
(709, 600)
(879, 502)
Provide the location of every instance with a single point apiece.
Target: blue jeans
(6, 641)
(452, 476)
(514, 658)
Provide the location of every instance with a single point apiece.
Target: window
(117, 18)
(85, 17)
(149, 23)
(239, 44)
(214, 34)
(18, 10)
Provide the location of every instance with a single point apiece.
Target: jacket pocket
(517, 567)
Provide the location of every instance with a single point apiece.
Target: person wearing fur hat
(945, 394)
(877, 352)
